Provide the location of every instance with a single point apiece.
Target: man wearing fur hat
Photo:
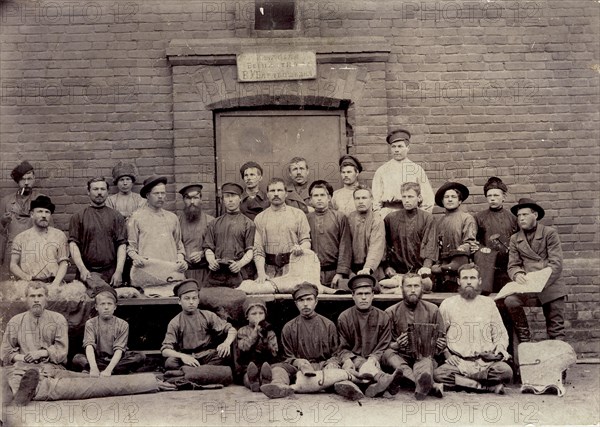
(154, 232)
(125, 201)
(14, 208)
(40, 252)
(343, 199)
(534, 247)
(97, 238)
(390, 176)
(495, 225)
(193, 222)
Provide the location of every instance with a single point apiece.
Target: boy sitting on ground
(105, 340)
(256, 342)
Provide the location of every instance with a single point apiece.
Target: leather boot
(279, 384)
(327, 378)
(208, 374)
(382, 382)
(520, 324)
(252, 377)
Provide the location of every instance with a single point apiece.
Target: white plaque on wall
(269, 66)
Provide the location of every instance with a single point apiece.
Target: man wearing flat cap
(193, 222)
(343, 199)
(310, 342)
(229, 240)
(254, 200)
(97, 238)
(190, 338)
(125, 201)
(153, 232)
(365, 333)
(14, 208)
(534, 247)
(399, 169)
(40, 252)
(495, 225)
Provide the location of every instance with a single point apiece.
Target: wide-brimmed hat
(42, 202)
(150, 183)
(450, 185)
(20, 170)
(528, 203)
(124, 169)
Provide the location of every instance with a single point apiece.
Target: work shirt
(98, 233)
(125, 204)
(154, 234)
(330, 240)
(363, 333)
(314, 339)
(367, 233)
(41, 252)
(192, 233)
(106, 336)
(252, 206)
(343, 200)
(278, 231)
(230, 236)
(456, 229)
(191, 333)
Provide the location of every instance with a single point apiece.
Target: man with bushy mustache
(193, 223)
(476, 338)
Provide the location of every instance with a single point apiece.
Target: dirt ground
(236, 406)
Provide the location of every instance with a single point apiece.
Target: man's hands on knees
(186, 359)
(223, 350)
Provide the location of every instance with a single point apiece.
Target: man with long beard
(193, 226)
(477, 340)
(411, 311)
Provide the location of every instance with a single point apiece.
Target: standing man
(280, 231)
(14, 209)
(254, 200)
(343, 199)
(298, 195)
(389, 177)
(410, 235)
(476, 338)
(35, 342)
(40, 252)
(228, 241)
(193, 224)
(365, 333)
(499, 223)
(367, 234)
(533, 248)
(411, 311)
(329, 235)
(97, 237)
(125, 201)
(154, 232)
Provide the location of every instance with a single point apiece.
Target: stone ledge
(328, 49)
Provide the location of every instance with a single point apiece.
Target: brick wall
(487, 88)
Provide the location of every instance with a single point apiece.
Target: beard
(412, 299)
(469, 293)
(192, 213)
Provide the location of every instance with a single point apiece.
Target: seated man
(477, 340)
(309, 341)
(367, 234)
(534, 247)
(189, 338)
(41, 252)
(343, 199)
(456, 231)
(36, 340)
(329, 235)
(365, 333)
(407, 316)
(105, 340)
(410, 235)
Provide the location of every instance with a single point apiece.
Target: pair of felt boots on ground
(274, 382)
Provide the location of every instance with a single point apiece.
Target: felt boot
(252, 377)
(467, 383)
(266, 374)
(520, 324)
(423, 385)
(208, 374)
(322, 380)
(279, 385)
(382, 382)
(349, 390)
(305, 367)
(27, 388)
